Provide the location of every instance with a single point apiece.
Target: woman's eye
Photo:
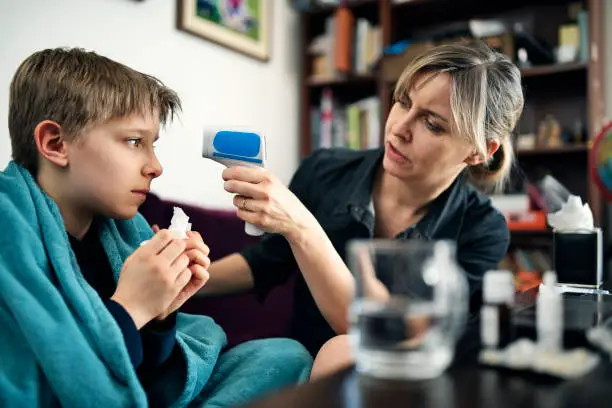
(433, 127)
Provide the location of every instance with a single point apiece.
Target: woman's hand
(265, 202)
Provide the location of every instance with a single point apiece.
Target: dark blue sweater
(148, 347)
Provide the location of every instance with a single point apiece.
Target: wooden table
(466, 383)
(471, 387)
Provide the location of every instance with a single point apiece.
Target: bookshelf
(354, 80)
(538, 151)
(553, 69)
(567, 94)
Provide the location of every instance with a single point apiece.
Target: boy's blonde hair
(78, 90)
(486, 101)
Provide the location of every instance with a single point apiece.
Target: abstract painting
(242, 25)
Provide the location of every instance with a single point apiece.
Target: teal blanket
(60, 346)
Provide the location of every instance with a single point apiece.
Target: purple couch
(242, 316)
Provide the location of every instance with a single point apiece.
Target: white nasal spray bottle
(231, 148)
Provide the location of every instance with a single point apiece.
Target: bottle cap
(549, 278)
(498, 287)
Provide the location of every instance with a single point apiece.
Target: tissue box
(578, 258)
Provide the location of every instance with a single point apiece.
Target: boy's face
(110, 168)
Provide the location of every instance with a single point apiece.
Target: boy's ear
(50, 142)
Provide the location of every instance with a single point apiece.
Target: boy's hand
(152, 277)
(197, 252)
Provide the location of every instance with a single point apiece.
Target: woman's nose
(404, 127)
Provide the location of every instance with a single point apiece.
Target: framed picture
(242, 25)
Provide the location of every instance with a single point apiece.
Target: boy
(90, 314)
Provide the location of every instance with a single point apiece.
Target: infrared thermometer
(236, 148)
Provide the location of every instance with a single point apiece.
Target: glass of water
(410, 307)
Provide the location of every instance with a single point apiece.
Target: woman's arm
(263, 201)
(330, 282)
(230, 274)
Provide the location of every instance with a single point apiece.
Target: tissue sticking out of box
(573, 216)
(179, 224)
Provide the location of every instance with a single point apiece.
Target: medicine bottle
(496, 328)
(549, 314)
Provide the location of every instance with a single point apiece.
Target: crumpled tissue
(573, 216)
(179, 225)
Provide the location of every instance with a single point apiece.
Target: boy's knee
(292, 350)
(292, 356)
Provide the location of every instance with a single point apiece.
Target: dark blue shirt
(336, 186)
(152, 345)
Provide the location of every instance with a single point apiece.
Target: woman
(448, 130)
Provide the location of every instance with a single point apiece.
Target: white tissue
(523, 354)
(601, 336)
(573, 216)
(179, 224)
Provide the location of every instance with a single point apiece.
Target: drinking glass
(410, 307)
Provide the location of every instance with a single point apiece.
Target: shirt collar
(443, 210)
(360, 188)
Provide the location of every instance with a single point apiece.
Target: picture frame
(241, 25)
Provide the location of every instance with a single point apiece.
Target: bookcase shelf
(351, 80)
(539, 151)
(552, 69)
(542, 71)
(353, 4)
(537, 239)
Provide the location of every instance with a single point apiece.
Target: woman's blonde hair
(486, 102)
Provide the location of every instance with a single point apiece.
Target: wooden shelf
(469, 3)
(544, 70)
(553, 69)
(352, 4)
(339, 81)
(409, 2)
(532, 233)
(537, 151)
(531, 239)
